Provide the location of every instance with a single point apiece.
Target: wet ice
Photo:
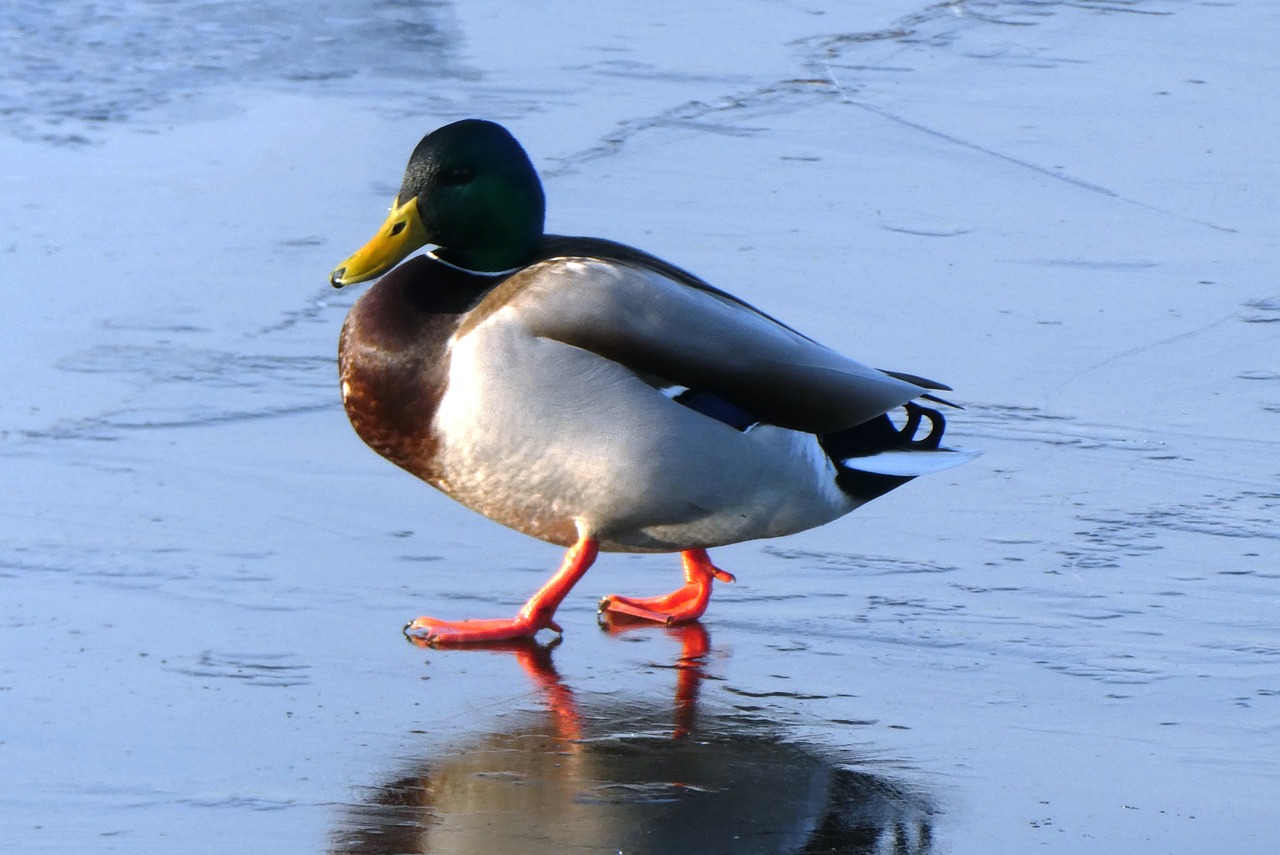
(1060, 209)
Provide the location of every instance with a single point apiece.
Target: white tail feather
(910, 463)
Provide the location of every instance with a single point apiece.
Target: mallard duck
(591, 395)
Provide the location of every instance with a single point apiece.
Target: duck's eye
(459, 175)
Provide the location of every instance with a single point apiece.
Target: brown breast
(393, 358)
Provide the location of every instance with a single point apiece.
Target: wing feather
(700, 338)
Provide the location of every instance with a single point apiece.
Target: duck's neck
(441, 256)
(500, 232)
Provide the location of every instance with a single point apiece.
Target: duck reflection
(617, 777)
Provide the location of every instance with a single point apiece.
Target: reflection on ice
(619, 776)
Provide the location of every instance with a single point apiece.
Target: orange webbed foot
(448, 632)
(687, 603)
(536, 615)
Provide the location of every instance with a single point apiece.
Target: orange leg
(536, 614)
(681, 605)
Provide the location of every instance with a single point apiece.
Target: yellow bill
(400, 235)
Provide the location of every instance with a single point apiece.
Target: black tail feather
(880, 434)
(872, 437)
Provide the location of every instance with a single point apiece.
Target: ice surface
(1066, 211)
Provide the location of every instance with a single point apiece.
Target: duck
(591, 395)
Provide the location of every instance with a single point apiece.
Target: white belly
(548, 439)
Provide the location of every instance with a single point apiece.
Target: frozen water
(1064, 210)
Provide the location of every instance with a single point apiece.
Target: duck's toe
(444, 633)
(686, 603)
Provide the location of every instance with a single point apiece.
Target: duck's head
(470, 190)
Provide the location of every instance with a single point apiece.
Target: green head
(469, 189)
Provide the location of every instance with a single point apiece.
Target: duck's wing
(560, 246)
(658, 324)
